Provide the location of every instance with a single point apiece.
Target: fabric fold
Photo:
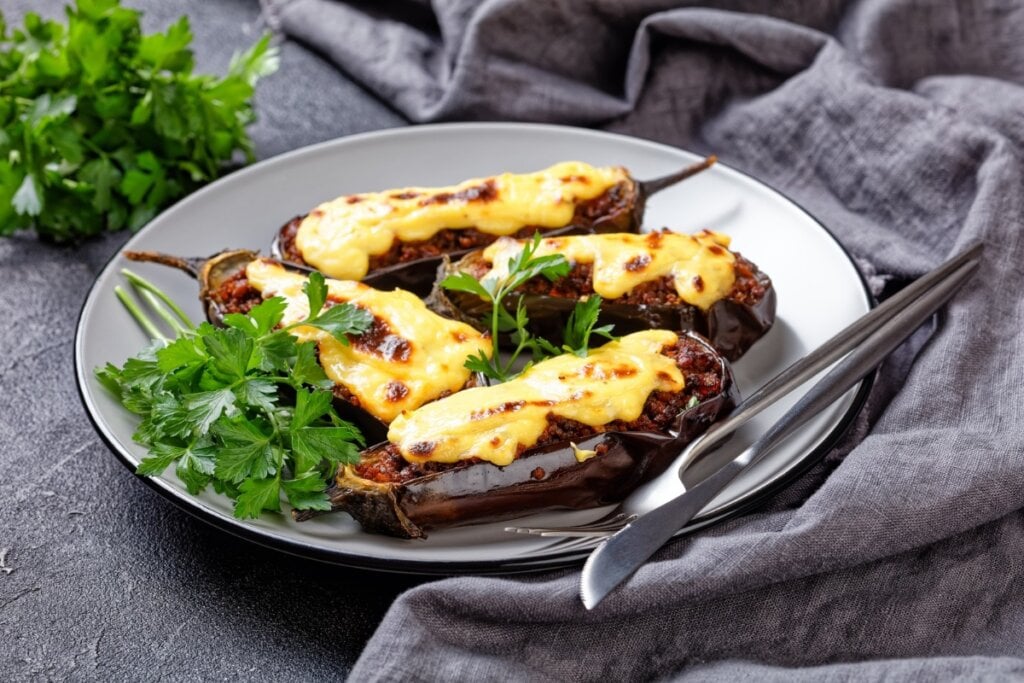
(898, 125)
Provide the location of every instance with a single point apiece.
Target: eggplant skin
(542, 478)
(732, 326)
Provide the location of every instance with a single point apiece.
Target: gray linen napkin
(901, 125)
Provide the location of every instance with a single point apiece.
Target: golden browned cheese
(340, 236)
(611, 383)
(701, 265)
(414, 355)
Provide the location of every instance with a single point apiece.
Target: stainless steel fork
(599, 528)
(580, 536)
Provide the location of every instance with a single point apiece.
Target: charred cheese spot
(638, 262)
(340, 236)
(612, 383)
(701, 267)
(485, 192)
(381, 341)
(408, 357)
(422, 448)
(396, 391)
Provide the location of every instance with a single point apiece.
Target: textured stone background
(101, 577)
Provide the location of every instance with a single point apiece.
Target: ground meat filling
(236, 295)
(748, 289)
(701, 369)
(449, 240)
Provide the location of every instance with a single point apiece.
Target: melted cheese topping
(409, 357)
(338, 237)
(701, 265)
(491, 423)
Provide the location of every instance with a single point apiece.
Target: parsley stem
(142, 282)
(158, 308)
(137, 313)
(494, 340)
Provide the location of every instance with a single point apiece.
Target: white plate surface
(819, 292)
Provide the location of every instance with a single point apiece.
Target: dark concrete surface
(100, 577)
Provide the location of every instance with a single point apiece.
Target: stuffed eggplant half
(660, 280)
(358, 234)
(570, 432)
(408, 357)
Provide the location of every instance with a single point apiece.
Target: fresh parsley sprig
(101, 126)
(522, 267)
(580, 326)
(245, 408)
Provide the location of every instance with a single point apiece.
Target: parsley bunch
(102, 126)
(521, 268)
(245, 408)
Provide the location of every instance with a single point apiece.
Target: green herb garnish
(102, 126)
(245, 408)
(580, 326)
(521, 268)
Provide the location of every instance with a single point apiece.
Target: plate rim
(434, 567)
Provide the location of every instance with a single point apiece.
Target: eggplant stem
(649, 187)
(141, 318)
(191, 266)
(146, 286)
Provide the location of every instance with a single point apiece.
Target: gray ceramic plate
(819, 292)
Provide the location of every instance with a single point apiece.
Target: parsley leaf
(309, 405)
(257, 495)
(102, 126)
(306, 369)
(245, 408)
(464, 282)
(315, 288)
(163, 454)
(247, 451)
(261, 320)
(339, 320)
(334, 444)
(306, 492)
(580, 326)
(182, 352)
(343, 320)
(205, 407)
